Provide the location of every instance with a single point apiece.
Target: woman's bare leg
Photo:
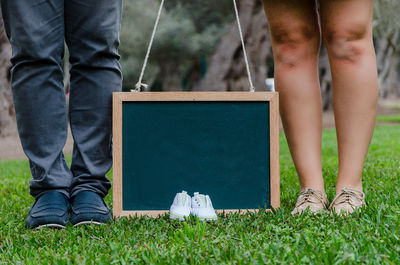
(347, 30)
(296, 38)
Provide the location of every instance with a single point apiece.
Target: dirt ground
(10, 146)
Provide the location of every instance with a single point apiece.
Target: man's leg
(92, 35)
(36, 32)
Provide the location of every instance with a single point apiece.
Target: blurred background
(197, 48)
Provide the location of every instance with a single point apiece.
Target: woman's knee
(294, 43)
(348, 41)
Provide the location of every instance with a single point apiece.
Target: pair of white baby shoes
(199, 205)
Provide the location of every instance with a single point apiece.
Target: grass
(395, 118)
(371, 236)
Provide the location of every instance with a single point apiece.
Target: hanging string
(140, 84)
(252, 89)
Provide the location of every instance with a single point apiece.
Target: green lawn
(395, 118)
(372, 236)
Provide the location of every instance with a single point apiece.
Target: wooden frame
(120, 97)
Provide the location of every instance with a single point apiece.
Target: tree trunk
(171, 80)
(227, 68)
(325, 79)
(7, 115)
(387, 57)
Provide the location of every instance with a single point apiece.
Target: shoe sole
(182, 218)
(55, 226)
(177, 217)
(208, 219)
(88, 223)
(205, 218)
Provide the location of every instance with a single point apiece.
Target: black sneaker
(89, 208)
(51, 209)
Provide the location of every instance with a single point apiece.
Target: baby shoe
(202, 207)
(181, 207)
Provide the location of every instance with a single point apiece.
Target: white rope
(139, 84)
(244, 47)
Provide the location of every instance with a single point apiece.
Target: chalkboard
(224, 144)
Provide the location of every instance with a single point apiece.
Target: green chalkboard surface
(219, 148)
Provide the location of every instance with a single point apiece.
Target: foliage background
(188, 30)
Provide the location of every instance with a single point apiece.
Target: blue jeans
(37, 30)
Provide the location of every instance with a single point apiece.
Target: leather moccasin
(87, 207)
(51, 209)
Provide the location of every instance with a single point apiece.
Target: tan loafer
(314, 200)
(347, 201)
